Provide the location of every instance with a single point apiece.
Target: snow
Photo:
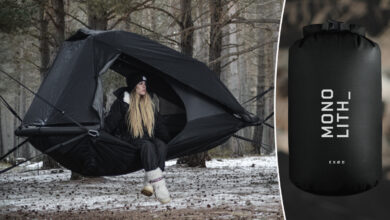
(33, 166)
(243, 182)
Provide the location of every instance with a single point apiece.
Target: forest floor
(243, 188)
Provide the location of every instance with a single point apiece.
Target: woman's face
(140, 88)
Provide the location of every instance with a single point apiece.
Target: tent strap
(50, 149)
(13, 149)
(10, 108)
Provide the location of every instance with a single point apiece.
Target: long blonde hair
(140, 113)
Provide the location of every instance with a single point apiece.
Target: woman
(133, 118)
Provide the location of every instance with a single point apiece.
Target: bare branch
(236, 13)
(247, 21)
(167, 13)
(51, 17)
(83, 10)
(35, 36)
(158, 34)
(228, 63)
(35, 45)
(129, 11)
(119, 20)
(241, 52)
(201, 15)
(34, 64)
(111, 17)
(260, 20)
(189, 29)
(227, 46)
(77, 19)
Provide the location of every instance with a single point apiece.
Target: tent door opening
(170, 105)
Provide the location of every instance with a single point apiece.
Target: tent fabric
(200, 111)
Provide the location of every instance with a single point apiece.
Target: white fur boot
(157, 180)
(148, 188)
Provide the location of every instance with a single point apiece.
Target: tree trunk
(44, 49)
(261, 77)
(24, 150)
(15, 124)
(75, 176)
(2, 151)
(195, 160)
(268, 133)
(230, 75)
(215, 47)
(59, 19)
(97, 15)
(187, 36)
(199, 160)
(187, 47)
(98, 20)
(264, 136)
(59, 35)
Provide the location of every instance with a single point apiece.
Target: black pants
(153, 153)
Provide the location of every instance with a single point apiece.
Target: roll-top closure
(333, 26)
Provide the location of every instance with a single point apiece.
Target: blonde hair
(139, 114)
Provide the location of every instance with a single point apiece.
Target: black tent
(68, 110)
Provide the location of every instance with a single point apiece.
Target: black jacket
(115, 121)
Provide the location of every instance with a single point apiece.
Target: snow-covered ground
(248, 184)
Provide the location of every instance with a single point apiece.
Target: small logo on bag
(336, 162)
(334, 115)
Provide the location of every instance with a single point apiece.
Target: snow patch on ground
(249, 182)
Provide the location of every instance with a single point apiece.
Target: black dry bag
(335, 110)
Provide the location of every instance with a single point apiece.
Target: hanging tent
(68, 110)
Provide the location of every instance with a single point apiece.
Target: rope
(44, 100)
(13, 149)
(10, 108)
(45, 152)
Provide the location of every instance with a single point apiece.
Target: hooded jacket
(115, 121)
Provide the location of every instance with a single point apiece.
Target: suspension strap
(10, 108)
(264, 122)
(47, 102)
(14, 149)
(258, 96)
(268, 125)
(266, 119)
(50, 149)
(252, 141)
